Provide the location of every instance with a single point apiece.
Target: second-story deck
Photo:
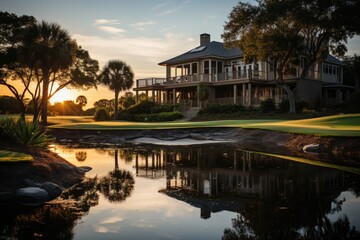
(217, 79)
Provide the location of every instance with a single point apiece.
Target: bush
(90, 112)
(221, 109)
(140, 108)
(165, 108)
(101, 114)
(352, 104)
(267, 106)
(284, 106)
(24, 133)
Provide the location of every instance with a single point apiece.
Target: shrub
(101, 114)
(267, 106)
(284, 106)
(165, 108)
(140, 108)
(221, 109)
(90, 112)
(24, 133)
(352, 104)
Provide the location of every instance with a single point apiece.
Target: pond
(193, 192)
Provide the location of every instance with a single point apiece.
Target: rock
(32, 196)
(52, 189)
(311, 148)
(84, 169)
(7, 198)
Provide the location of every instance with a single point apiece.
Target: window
(206, 67)
(198, 49)
(330, 69)
(194, 68)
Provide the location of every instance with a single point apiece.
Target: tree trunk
(116, 159)
(291, 98)
(116, 105)
(44, 100)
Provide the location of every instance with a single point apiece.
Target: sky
(140, 32)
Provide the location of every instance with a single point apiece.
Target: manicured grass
(345, 125)
(315, 163)
(8, 156)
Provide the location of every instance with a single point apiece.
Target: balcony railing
(202, 77)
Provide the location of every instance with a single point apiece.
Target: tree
(352, 71)
(81, 100)
(279, 32)
(119, 77)
(46, 57)
(127, 100)
(11, 29)
(118, 184)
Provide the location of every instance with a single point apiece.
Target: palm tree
(118, 184)
(48, 49)
(119, 77)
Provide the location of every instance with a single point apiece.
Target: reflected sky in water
(207, 192)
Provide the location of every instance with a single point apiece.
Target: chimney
(204, 39)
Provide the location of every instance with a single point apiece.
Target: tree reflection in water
(80, 156)
(118, 184)
(55, 220)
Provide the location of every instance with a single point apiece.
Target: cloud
(112, 220)
(112, 30)
(141, 25)
(161, 5)
(106, 21)
(142, 53)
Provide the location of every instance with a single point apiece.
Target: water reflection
(275, 199)
(118, 184)
(269, 198)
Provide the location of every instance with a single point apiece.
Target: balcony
(203, 77)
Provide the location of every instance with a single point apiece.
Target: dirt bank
(46, 167)
(331, 149)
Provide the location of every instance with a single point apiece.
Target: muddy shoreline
(339, 150)
(48, 166)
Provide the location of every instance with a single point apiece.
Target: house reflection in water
(217, 178)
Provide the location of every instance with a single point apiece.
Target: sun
(63, 95)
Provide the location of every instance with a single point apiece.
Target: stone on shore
(32, 196)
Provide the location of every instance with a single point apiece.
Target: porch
(201, 77)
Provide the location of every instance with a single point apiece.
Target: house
(229, 80)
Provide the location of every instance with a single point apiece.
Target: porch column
(235, 93)
(243, 97)
(153, 95)
(174, 96)
(168, 73)
(198, 99)
(249, 92)
(137, 96)
(338, 96)
(147, 93)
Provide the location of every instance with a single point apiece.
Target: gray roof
(334, 60)
(213, 49)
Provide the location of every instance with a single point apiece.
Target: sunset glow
(63, 95)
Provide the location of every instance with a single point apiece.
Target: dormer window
(198, 49)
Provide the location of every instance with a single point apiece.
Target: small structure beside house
(229, 80)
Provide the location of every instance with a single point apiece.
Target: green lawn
(345, 125)
(8, 156)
